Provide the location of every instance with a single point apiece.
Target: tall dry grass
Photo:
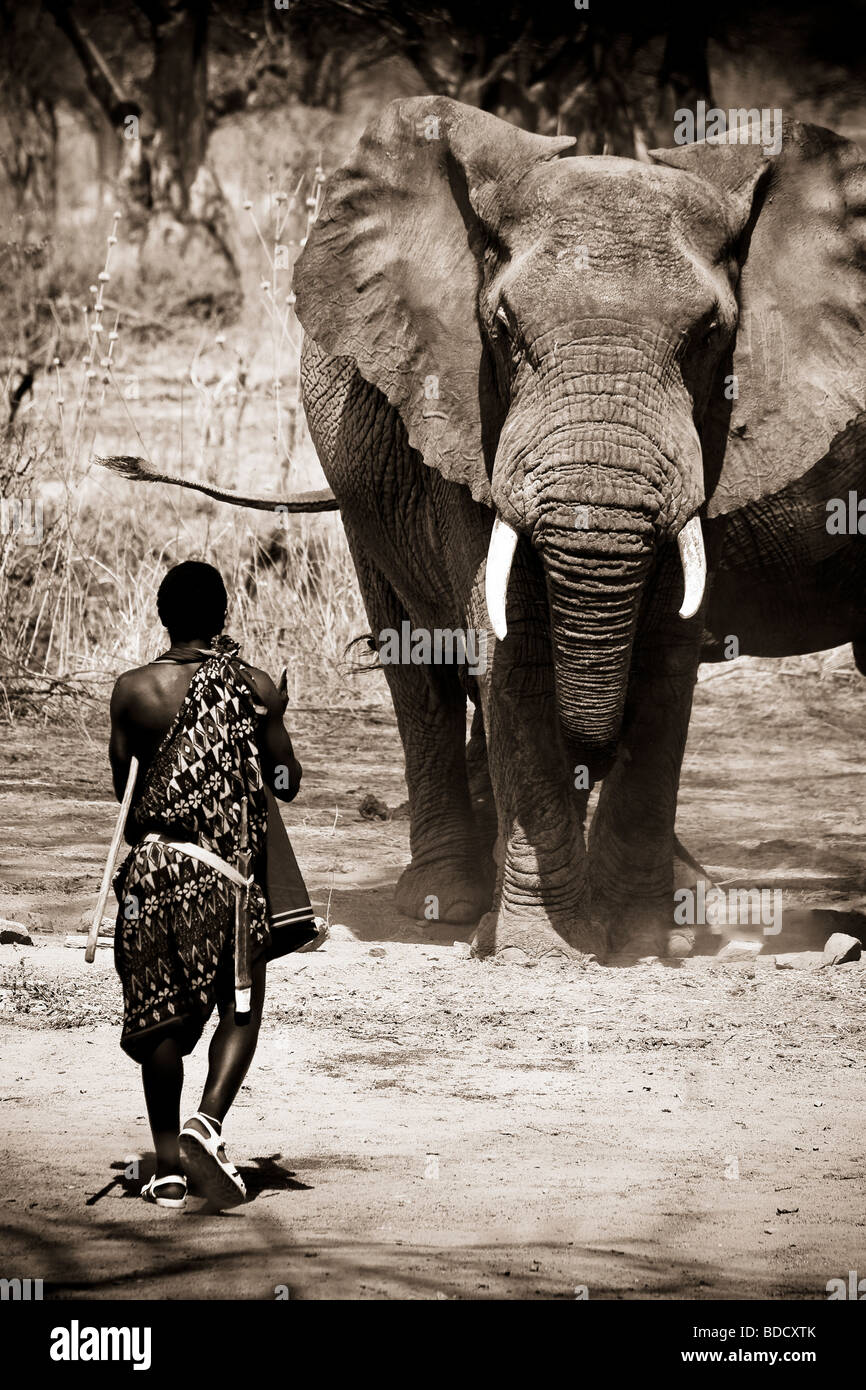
(77, 590)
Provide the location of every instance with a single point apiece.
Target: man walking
(208, 732)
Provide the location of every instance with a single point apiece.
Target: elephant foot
(531, 938)
(644, 941)
(681, 942)
(445, 891)
(643, 945)
(633, 934)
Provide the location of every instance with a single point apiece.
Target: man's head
(192, 601)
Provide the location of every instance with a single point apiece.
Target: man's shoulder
(142, 683)
(135, 673)
(128, 681)
(134, 679)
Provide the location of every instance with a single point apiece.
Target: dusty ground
(420, 1125)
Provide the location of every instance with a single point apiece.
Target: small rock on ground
(14, 933)
(737, 950)
(841, 947)
(107, 926)
(339, 932)
(799, 960)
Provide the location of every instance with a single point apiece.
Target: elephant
(594, 409)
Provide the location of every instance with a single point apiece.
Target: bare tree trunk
(189, 218)
(29, 160)
(179, 100)
(176, 224)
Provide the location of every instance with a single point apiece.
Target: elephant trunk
(594, 595)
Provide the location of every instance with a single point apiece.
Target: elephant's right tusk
(503, 543)
(694, 562)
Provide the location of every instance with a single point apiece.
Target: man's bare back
(145, 701)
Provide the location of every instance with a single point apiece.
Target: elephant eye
(712, 330)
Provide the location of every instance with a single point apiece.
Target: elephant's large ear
(798, 373)
(391, 271)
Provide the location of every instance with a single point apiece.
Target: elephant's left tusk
(503, 543)
(694, 562)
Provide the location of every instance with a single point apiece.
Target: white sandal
(205, 1164)
(148, 1192)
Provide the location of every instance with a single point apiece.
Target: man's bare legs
(231, 1051)
(162, 1075)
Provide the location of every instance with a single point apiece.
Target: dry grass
(77, 597)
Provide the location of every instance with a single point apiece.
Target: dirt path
(417, 1124)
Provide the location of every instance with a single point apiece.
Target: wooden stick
(122, 814)
(243, 981)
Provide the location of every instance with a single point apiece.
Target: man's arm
(280, 768)
(119, 749)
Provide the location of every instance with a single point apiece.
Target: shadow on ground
(369, 912)
(371, 916)
(264, 1176)
(267, 1262)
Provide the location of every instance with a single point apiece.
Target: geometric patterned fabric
(174, 938)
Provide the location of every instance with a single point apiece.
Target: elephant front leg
(450, 877)
(631, 841)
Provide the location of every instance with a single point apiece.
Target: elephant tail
(140, 471)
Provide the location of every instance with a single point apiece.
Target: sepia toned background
(209, 129)
(417, 1124)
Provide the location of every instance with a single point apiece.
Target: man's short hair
(192, 600)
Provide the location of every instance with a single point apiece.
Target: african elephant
(553, 396)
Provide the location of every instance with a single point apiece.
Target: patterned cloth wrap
(173, 942)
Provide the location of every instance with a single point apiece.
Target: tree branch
(100, 81)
